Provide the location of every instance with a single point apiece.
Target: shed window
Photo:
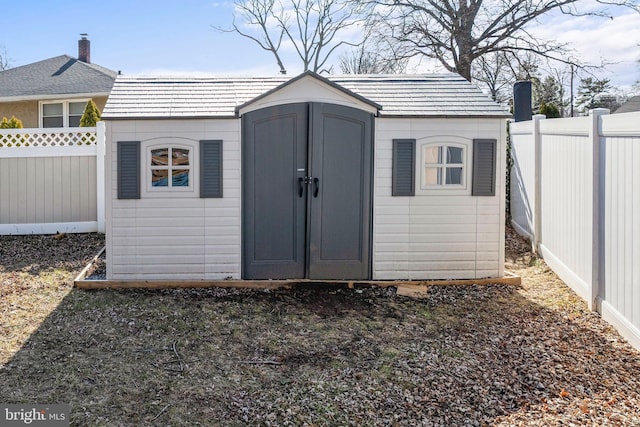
(170, 168)
(443, 165)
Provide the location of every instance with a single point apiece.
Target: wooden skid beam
(508, 279)
(83, 274)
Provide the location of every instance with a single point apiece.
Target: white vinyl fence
(575, 193)
(52, 180)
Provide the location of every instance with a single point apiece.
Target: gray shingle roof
(62, 75)
(431, 95)
(633, 104)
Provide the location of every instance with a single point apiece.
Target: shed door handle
(316, 183)
(300, 186)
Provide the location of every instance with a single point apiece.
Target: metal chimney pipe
(522, 101)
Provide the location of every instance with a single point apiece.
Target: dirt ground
(465, 355)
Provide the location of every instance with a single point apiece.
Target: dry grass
(36, 273)
(478, 355)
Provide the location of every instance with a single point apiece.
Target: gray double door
(306, 193)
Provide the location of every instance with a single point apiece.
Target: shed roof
(425, 95)
(61, 75)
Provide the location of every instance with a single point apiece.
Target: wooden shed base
(410, 288)
(404, 286)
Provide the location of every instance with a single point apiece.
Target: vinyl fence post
(100, 177)
(537, 214)
(598, 208)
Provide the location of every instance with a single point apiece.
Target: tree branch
(457, 33)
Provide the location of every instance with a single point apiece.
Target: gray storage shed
(345, 177)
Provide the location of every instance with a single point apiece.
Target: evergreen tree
(591, 93)
(91, 115)
(546, 91)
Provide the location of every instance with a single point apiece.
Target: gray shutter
(403, 173)
(210, 168)
(484, 167)
(128, 169)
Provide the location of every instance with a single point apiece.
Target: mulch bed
(472, 355)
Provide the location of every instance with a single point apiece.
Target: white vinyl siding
(437, 234)
(175, 235)
(446, 235)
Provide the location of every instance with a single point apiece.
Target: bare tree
(458, 32)
(4, 59)
(492, 70)
(562, 76)
(258, 13)
(315, 28)
(372, 58)
(498, 71)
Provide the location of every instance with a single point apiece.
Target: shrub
(13, 123)
(11, 140)
(549, 110)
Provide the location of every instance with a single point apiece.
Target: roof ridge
(99, 68)
(289, 77)
(13, 69)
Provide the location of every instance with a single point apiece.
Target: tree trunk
(464, 67)
(464, 40)
(465, 56)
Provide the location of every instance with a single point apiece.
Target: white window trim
(65, 110)
(187, 191)
(444, 189)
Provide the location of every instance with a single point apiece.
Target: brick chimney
(84, 49)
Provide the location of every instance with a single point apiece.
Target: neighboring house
(53, 93)
(632, 104)
(347, 177)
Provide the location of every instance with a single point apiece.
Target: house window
(52, 115)
(443, 166)
(76, 110)
(62, 113)
(170, 168)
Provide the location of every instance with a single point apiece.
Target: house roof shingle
(632, 104)
(61, 75)
(430, 95)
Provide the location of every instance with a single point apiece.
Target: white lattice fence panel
(47, 138)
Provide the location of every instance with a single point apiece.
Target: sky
(152, 37)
